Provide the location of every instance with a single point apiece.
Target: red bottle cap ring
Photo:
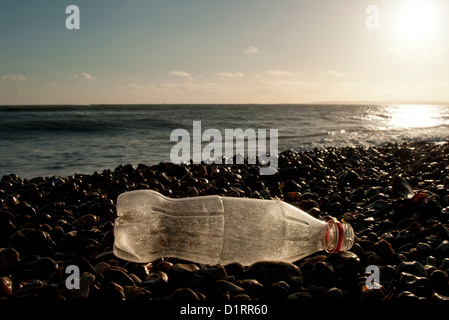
(341, 235)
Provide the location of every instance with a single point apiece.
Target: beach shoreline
(50, 223)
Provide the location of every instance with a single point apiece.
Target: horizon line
(329, 103)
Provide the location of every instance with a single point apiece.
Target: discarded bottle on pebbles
(219, 230)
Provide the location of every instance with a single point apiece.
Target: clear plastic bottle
(216, 229)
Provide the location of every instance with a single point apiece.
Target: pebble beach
(396, 198)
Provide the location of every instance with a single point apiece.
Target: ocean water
(64, 140)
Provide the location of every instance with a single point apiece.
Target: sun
(417, 20)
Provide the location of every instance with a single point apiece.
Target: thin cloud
(230, 74)
(334, 73)
(181, 74)
(251, 50)
(82, 75)
(14, 78)
(279, 73)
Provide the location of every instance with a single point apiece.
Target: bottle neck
(337, 236)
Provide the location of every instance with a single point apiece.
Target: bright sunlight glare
(413, 116)
(417, 20)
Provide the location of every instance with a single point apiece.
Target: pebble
(267, 272)
(253, 287)
(101, 266)
(444, 264)
(157, 283)
(110, 292)
(301, 296)
(235, 269)
(137, 294)
(407, 296)
(442, 250)
(344, 263)
(41, 268)
(9, 259)
(209, 274)
(334, 294)
(413, 267)
(85, 281)
(5, 286)
(439, 280)
(224, 287)
(183, 294)
(86, 222)
(395, 197)
(118, 275)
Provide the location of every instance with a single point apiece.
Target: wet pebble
(6, 286)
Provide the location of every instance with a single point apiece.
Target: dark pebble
(344, 263)
(301, 296)
(267, 272)
(183, 294)
(322, 274)
(407, 296)
(137, 294)
(31, 241)
(157, 283)
(110, 292)
(86, 222)
(9, 259)
(253, 287)
(235, 269)
(209, 274)
(334, 295)
(413, 267)
(85, 282)
(6, 286)
(223, 287)
(42, 268)
(395, 196)
(276, 291)
(439, 280)
(118, 275)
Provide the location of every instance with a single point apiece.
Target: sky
(223, 51)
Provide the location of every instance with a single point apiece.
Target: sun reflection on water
(412, 116)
